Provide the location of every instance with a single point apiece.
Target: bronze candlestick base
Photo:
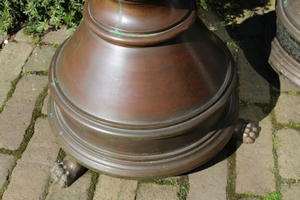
(285, 54)
(142, 90)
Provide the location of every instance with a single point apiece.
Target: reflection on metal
(145, 90)
(285, 54)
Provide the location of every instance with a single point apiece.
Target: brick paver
(28, 181)
(12, 59)
(45, 104)
(150, 191)
(211, 180)
(40, 59)
(42, 148)
(290, 192)
(77, 191)
(288, 108)
(115, 188)
(286, 86)
(254, 164)
(32, 172)
(288, 152)
(55, 37)
(17, 113)
(21, 37)
(6, 165)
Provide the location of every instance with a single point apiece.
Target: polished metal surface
(285, 54)
(142, 89)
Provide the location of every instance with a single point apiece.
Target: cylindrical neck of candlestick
(139, 22)
(137, 1)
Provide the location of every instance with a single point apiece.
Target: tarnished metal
(285, 54)
(142, 89)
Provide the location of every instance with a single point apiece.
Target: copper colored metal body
(142, 89)
(285, 51)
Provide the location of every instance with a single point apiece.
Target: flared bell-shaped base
(142, 90)
(160, 155)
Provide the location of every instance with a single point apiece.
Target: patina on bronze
(143, 90)
(285, 54)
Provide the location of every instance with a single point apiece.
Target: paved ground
(267, 169)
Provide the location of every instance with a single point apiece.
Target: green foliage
(293, 93)
(274, 196)
(205, 4)
(229, 10)
(166, 182)
(39, 15)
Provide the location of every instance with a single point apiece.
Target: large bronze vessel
(285, 54)
(143, 89)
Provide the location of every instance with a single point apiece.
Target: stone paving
(267, 169)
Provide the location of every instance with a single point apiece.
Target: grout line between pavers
(276, 126)
(7, 181)
(11, 91)
(36, 113)
(232, 176)
(231, 160)
(278, 179)
(47, 188)
(181, 182)
(231, 170)
(94, 180)
(136, 190)
(231, 167)
(49, 182)
(184, 187)
(14, 84)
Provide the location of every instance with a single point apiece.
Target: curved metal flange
(284, 64)
(149, 165)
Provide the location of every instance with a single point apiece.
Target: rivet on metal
(60, 134)
(55, 81)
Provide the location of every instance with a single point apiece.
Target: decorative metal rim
(284, 64)
(143, 167)
(287, 41)
(135, 39)
(282, 14)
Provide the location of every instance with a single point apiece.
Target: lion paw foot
(246, 131)
(67, 172)
(250, 133)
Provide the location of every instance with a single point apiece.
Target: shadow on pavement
(254, 35)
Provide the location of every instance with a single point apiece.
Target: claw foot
(67, 172)
(246, 131)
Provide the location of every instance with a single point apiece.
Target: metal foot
(67, 172)
(246, 131)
